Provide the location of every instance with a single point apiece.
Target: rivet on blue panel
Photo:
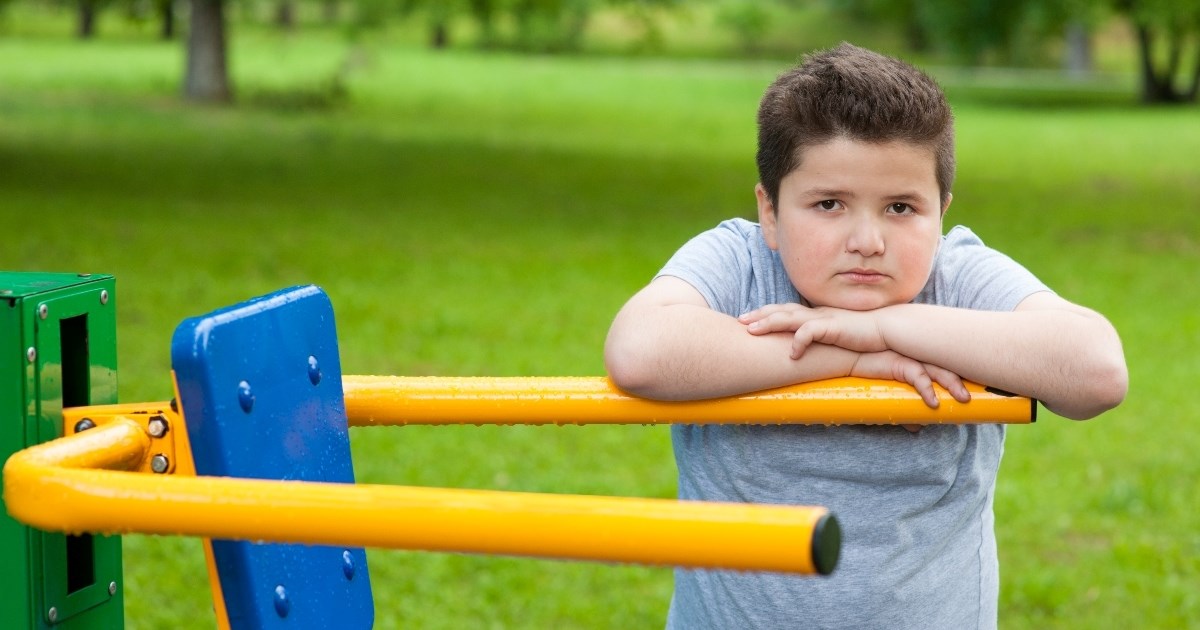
(282, 605)
(314, 370)
(245, 396)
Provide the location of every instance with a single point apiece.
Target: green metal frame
(58, 347)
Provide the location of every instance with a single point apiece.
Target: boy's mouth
(865, 276)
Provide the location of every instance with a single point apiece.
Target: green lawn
(487, 215)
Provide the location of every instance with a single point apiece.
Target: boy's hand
(921, 376)
(853, 330)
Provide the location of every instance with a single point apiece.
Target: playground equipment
(255, 447)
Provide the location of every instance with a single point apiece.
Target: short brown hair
(854, 93)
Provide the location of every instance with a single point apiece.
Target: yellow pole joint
(158, 421)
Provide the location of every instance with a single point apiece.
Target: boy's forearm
(1070, 360)
(688, 352)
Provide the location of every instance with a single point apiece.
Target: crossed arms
(667, 344)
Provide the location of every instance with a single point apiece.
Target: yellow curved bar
(66, 485)
(400, 400)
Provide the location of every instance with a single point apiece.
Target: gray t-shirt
(919, 550)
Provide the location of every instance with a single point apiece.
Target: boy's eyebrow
(907, 196)
(831, 193)
(836, 193)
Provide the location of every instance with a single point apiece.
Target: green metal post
(58, 348)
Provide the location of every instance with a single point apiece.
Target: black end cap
(826, 544)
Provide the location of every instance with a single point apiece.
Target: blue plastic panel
(260, 384)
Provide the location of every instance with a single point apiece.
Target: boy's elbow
(1112, 385)
(1106, 389)
(628, 367)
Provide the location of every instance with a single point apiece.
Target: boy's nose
(865, 238)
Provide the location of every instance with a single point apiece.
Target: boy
(847, 273)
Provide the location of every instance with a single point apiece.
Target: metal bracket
(158, 419)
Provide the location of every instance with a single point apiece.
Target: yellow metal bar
(80, 483)
(400, 400)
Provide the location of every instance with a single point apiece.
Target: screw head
(157, 427)
(104, 296)
(43, 311)
(245, 396)
(112, 588)
(31, 354)
(348, 564)
(159, 463)
(52, 614)
(84, 425)
(283, 605)
(314, 370)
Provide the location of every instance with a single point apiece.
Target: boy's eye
(828, 204)
(900, 208)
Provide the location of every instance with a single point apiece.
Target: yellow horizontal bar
(401, 400)
(79, 484)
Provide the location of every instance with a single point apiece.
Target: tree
(207, 76)
(1164, 29)
(166, 14)
(748, 20)
(900, 12)
(87, 18)
(285, 14)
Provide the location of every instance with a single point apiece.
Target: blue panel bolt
(282, 603)
(245, 396)
(314, 370)
(348, 565)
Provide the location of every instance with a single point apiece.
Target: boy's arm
(1066, 356)
(667, 344)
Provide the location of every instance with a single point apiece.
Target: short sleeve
(969, 274)
(718, 264)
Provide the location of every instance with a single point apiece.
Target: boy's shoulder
(742, 227)
(968, 273)
(962, 235)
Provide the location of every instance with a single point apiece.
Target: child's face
(857, 224)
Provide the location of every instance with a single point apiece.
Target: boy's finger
(951, 382)
(924, 385)
(800, 342)
(769, 324)
(766, 311)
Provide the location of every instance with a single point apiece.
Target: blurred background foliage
(1159, 39)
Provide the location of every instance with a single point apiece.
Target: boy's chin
(860, 302)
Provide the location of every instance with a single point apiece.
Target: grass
(473, 214)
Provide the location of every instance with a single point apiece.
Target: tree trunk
(207, 77)
(1079, 49)
(439, 36)
(329, 11)
(166, 10)
(1194, 91)
(87, 19)
(1155, 87)
(285, 14)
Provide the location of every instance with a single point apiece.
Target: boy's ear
(946, 206)
(766, 215)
